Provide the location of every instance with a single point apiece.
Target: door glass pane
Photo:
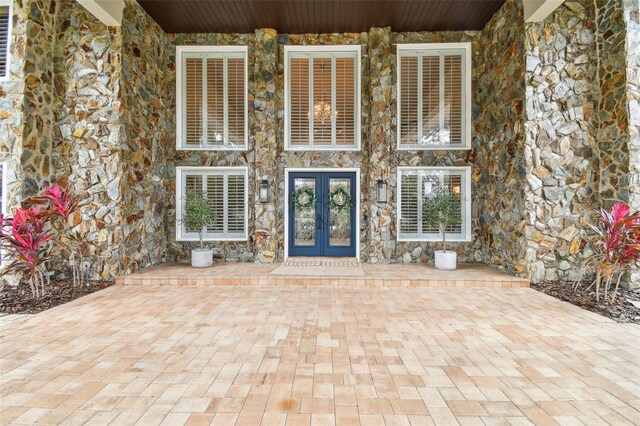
(304, 212)
(340, 212)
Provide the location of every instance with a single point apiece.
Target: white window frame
(322, 52)
(435, 49)
(7, 75)
(204, 171)
(466, 182)
(223, 52)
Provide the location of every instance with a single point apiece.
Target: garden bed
(622, 310)
(18, 300)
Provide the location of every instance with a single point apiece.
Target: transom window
(212, 97)
(5, 37)
(434, 96)
(226, 191)
(322, 99)
(416, 188)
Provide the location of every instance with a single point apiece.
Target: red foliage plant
(616, 248)
(24, 237)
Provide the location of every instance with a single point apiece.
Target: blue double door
(322, 214)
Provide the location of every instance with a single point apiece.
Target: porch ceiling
(319, 16)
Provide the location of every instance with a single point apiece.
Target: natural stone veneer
(555, 132)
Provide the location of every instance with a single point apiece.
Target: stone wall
(498, 141)
(562, 167)
(146, 141)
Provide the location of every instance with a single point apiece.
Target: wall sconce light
(382, 191)
(263, 193)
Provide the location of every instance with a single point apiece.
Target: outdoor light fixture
(264, 191)
(382, 191)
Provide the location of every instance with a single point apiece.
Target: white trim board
(327, 170)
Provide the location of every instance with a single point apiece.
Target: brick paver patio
(318, 355)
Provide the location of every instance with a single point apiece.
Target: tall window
(434, 96)
(212, 97)
(416, 188)
(322, 99)
(226, 191)
(5, 37)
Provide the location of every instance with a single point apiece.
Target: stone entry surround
(312, 355)
(554, 134)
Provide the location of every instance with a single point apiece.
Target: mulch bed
(18, 300)
(622, 310)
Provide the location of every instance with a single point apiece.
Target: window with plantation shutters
(5, 37)
(434, 96)
(226, 192)
(417, 187)
(212, 97)
(322, 99)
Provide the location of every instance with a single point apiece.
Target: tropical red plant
(61, 204)
(617, 246)
(23, 241)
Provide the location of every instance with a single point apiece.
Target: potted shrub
(197, 215)
(441, 211)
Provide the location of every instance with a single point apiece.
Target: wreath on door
(339, 199)
(304, 198)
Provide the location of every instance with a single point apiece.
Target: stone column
(381, 244)
(263, 135)
(38, 102)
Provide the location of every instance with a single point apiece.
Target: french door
(322, 209)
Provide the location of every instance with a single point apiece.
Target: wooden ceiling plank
(320, 16)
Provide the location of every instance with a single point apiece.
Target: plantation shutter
(415, 187)
(226, 193)
(453, 101)
(236, 101)
(345, 102)
(299, 106)
(432, 104)
(410, 205)
(409, 103)
(191, 182)
(322, 100)
(213, 100)
(4, 39)
(215, 196)
(235, 204)
(193, 81)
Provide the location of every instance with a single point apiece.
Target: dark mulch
(18, 300)
(622, 310)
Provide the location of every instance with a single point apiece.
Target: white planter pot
(201, 258)
(446, 260)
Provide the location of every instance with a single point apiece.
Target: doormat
(350, 263)
(319, 267)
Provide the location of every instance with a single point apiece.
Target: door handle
(319, 220)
